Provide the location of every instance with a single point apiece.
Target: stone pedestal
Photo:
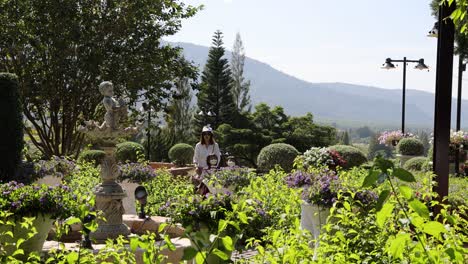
(109, 195)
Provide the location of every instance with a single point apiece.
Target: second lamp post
(389, 65)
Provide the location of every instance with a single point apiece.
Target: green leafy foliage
(353, 156)
(416, 164)
(128, 151)
(181, 154)
(410, 146)
(277, 154)
(61, 50)
(92, 155)
(11, 123)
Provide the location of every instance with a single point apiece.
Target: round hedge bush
(416, 164)
(278, 153)
(181, 154)
(92, 155)
(353, 156)
(410, 146)
(127, 151)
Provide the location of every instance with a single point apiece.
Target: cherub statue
(115, 110)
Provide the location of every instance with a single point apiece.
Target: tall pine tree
(240, 86)
(215, 95)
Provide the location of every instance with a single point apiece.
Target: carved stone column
(109, 195)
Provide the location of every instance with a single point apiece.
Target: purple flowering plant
(136, 172)
(236, 177)
(318, 186)
(30, 200)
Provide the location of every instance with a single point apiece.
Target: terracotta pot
(160, 165)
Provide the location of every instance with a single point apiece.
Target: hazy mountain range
(341, 103)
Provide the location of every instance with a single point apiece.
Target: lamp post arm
(404, 60)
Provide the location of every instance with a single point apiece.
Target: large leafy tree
(215, 95)
(61, 50)
(240, 86)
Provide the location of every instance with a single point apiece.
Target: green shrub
(11, 124)
(416, 164)
(410, 146)
(353, 156)
(279, 153)
(127, 151)
(181, 154)
(92, 155)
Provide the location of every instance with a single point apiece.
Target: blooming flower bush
(31, 200)
(235, 177)
(459, 139)
(319, 187)
(390, 138)
(136, 172)
(318, 157)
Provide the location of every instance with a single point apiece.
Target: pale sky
(326, 40)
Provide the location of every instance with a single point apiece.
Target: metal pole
(443, 101)
(403, 99)
(461, 68)
(148, 136)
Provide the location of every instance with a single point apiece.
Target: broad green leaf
(161, 227)
(18, 251)
(383, 164)
(398, 245)
(419, 208)
(371, 178)
(72, 220)
(169, 243)
(243, 217)
(227, 242)
(189, 253)
(220, 254)
(347, 206)
(72, 257)
(382, 197)
(403, 175)
(133, 244)
(200, 257)
(433, 228)
(384, 214)
(19, 242)
(406, 191)
(222, 225)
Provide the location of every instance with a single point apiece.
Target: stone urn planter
(182, 171)
(42, 223)
(313, 217)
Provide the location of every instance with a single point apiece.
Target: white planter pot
(129, 201)
(313, 217)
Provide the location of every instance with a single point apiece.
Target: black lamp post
(434, 32)
(140, 196)
(389, 65)
(147, 108)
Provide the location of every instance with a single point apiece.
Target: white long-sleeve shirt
(203, 151)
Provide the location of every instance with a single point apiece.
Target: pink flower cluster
(387, 137)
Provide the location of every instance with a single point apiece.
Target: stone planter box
(182, 171)
(404, 158)
(161, 165)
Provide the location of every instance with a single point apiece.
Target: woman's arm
(217, 153)
(196, 154)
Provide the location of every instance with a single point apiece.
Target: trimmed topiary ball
(410, 146)
(278, 153)
(181, 154)
(416, 164)
(352, 155)
(127, 151)
(92, 155)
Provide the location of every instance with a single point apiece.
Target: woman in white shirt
(207, 146)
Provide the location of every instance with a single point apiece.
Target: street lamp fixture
(434, 32)
(388, 65)
(140, 196)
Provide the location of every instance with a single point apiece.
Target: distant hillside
(333, 102)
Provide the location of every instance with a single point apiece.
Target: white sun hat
(207, 128)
